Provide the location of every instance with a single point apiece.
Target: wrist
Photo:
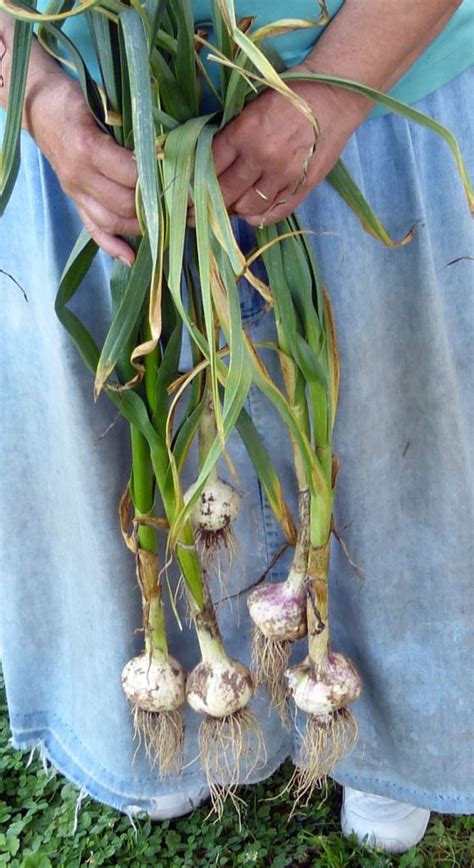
(337, 114)
(47, 89)
(51, 96)
(347, 108)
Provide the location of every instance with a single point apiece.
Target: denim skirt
(70, 613)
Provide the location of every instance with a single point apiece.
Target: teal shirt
(447, 56)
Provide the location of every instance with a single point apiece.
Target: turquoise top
(447, 56)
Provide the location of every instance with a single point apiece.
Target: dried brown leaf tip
(201, 34)
(244, 24)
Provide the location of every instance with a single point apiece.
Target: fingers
(285, 203)
(106, 220)
(112, 161)
(88, 184)
(262, 197)
(224, 150)
(94, 171)
(264, 159)
(101, 180)
(259, 198)
(237, 181)
(117, 198)
(106, 227)
(111, 244)
(96, 166)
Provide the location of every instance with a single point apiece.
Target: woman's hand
(92, 169)
(265, 159)
(261, 157)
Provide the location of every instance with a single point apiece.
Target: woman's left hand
(264, 158)
(261, 156)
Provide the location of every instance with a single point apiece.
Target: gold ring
(259, 193)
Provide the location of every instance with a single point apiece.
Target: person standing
(404, 320)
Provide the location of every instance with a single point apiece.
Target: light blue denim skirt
(70, 609)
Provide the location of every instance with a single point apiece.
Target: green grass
(37, 817)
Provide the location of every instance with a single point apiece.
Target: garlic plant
(220, 688)
(218, 505)
(153, 682)
(152, 68)
(278, 610)
(322, 686)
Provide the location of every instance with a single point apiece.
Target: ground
(37, 819)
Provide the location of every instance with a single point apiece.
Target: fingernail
(125, 261)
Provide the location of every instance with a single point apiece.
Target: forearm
(42, 71)
(376, 43)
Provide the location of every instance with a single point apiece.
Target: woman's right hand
(99, 175)
(92, 169)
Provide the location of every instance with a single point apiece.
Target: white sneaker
(171, 807)
(382, 823)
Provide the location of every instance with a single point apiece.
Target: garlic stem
(207, 629)
(207, 434)
(156, 644)
(299, 564)
(317, 619)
